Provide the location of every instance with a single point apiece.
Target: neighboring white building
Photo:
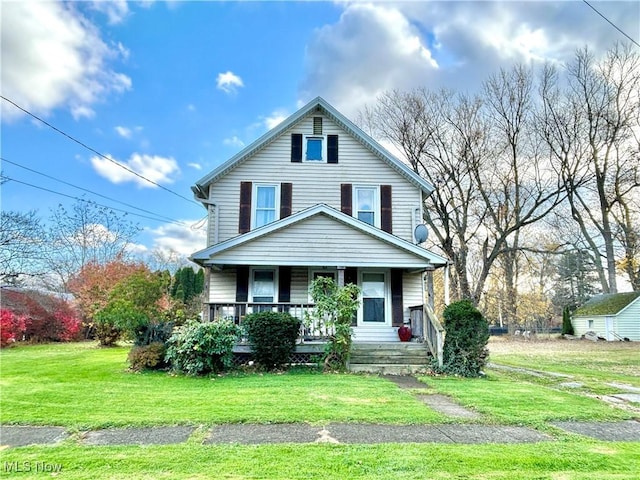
(315, 196)
(613, 316)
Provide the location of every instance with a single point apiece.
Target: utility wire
(4, 177)
(611, 23)
(95, 151)
(172, 220)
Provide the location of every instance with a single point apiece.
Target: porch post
(429, 281)
(206, 308)
(341, 276)
(447, 269)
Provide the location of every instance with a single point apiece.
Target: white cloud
(376, 47)
(276, 118)
(115, 10)
(233, 142)
(158, 169)
(195, 166)
(184, 240)
(229, 82)
(372, 48)
(54, 57)
(124, 132)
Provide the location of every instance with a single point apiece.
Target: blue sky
(173, 89)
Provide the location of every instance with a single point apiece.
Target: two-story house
(315, 196)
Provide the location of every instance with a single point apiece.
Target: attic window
(317, 125)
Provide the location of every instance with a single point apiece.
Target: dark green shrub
(200, 348)
(147, 357)
(567, 326)
(153, 333)
(272, 336)
(465, 346)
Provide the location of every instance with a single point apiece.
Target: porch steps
(390, 358)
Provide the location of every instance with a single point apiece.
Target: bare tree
(87, 233)
(588, 127)
(490, 176)
(21, 241)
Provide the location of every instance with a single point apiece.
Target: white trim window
(315, 148)
(266, 205)
(366, 204)
(374, 298)
(263, 285)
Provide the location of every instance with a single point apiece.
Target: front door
(374, 300)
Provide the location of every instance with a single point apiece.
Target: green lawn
(79, 386)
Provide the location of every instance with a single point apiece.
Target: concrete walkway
(343, 433)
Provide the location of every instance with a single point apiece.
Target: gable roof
(412, 256)
(607, 304)
(321, 106)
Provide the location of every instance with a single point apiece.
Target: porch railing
(311, 327)
(425, 325)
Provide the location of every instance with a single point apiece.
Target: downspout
(211, 203)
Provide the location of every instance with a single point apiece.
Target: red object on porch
(404, 332)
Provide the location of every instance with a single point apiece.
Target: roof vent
(317, 125)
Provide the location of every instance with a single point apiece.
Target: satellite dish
(421, 233)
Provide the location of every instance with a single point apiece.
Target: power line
(172, 220)
(4, 177)
(95, 151)
(611, 23)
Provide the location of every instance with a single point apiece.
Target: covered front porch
(367, 355)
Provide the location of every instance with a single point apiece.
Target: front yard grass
(80, 386)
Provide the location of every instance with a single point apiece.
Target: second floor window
(265, 206)
(366, 204)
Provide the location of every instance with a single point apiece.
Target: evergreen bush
(273, 337)
(465, 346)
(199, 348)
(567, 326)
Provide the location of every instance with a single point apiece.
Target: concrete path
(343, 433)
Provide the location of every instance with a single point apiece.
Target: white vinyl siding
(222, 286)
(315, 182)
(625, 324)
(318, 240)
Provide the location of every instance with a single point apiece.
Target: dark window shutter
(397, 307)
(244, 222)
(296, 147)
(385, 209)
(332, 148)
(351, 275)
(285, 199)
(242, 283)
(346, 203)
(284, 284)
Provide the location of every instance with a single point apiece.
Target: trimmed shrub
(465, 346)
(147, 357)
(199, 348)
(273, 337)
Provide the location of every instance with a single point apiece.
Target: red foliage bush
(45, 318)
(12, 327)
